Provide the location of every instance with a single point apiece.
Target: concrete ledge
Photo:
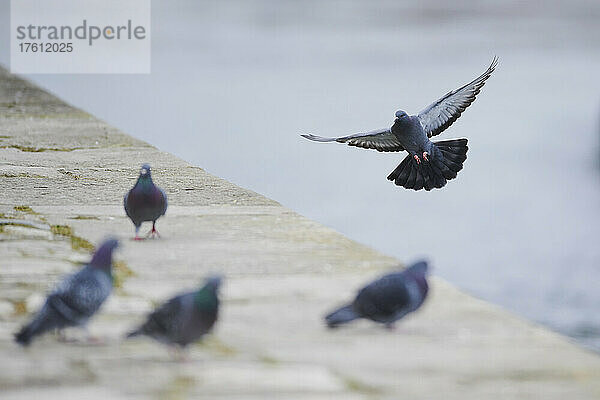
(66, 172)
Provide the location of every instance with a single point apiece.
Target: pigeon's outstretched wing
(441, 114)
(380, 140)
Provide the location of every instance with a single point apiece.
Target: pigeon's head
(213, 282)
(145, 170)
(418, 272)
(401, 114)
(207, 297)
(103, 255)
(420, 268)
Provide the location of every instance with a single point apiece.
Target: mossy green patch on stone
(63, 230)
(20, 307)
(77, 243)
(86, 217)
(31, 149)
(268, 360)
(25, 209)
(26, 285)
(21, 175)
(121, 272)
(68, 173)
(10, 221)
(354, 385)
(75, 263)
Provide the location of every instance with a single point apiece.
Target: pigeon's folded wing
(441, 114)
(164, 201)
(167, 317)
(384, 297)
(79, 296)
(380, 140)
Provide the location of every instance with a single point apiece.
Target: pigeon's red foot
(425, 154)
(138, 238)
(153, 234)
(417, 159)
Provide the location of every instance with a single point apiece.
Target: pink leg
(416, 157)
(137, 234)
(425, 154)
(153, 232)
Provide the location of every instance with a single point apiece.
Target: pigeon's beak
(144, 171)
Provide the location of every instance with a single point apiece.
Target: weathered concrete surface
(63, 168)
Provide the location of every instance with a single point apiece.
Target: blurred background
(234, 83)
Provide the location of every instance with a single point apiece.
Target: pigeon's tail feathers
(24, 336)
(148, 328)
(444, 162)
(415, 176)
(341, 316)
(316, 138)
(42, 323)
(449, 156)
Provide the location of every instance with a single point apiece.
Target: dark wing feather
(126, 204)
(163, 201)
(165, 320)
(380, 140)
(441, 114)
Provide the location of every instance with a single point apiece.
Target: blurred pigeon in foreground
(387, 299)
(145, 202)
(77, 297)
(184, 319)
(428, 164)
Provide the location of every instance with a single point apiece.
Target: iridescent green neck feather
(206, 298)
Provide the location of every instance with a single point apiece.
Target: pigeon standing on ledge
(184, 319)
(428, 164)
(387, 299)
(76, 299)
(145, 202)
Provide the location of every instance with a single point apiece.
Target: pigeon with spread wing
(429, 164)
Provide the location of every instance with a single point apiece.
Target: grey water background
(234, 83)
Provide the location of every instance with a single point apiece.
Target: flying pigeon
(428, 164)
(184, 319)
(145, 202)
(387, 299)
(76, 299)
